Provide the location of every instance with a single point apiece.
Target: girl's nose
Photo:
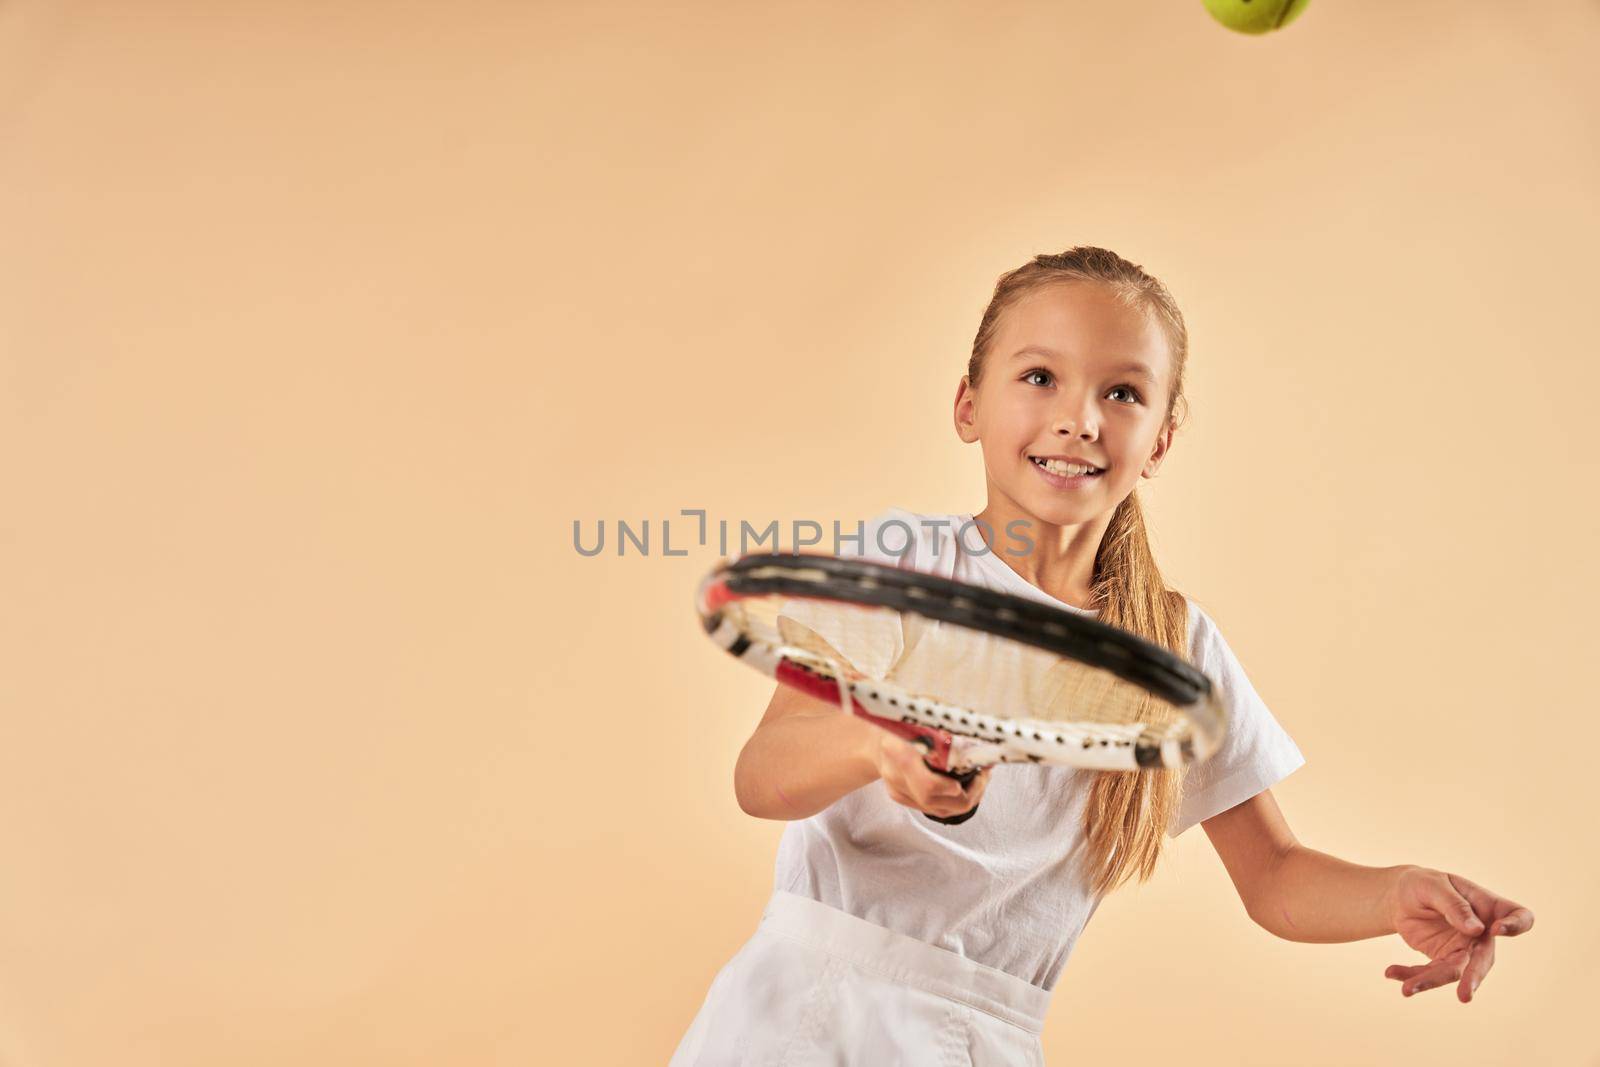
(1079, 426)
(1077, 419)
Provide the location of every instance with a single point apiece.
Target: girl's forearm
(1315, 897)
(795, 766)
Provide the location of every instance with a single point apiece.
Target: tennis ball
(1255, 16)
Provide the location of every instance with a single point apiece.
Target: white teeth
(1055, 466)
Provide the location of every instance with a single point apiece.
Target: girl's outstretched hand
(910, 782)
(1454, 923)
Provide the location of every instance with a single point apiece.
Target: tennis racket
(971, 675)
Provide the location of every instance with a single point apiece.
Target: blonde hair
(1127, 813)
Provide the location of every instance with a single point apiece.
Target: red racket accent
(938, 741)
(717, 597)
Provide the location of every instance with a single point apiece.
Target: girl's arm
(806, 753)
(1301, 894)
(803, 756)
(1295, 892)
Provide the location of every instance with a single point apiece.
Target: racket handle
(924, 737)
(965, 778)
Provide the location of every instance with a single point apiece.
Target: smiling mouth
(1066, 470)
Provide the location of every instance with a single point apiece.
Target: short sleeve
(1256, 751)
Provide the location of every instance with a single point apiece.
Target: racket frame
(957, 738)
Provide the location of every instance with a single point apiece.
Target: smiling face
(1071, 373)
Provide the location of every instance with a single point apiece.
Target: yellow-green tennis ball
(1255, 16)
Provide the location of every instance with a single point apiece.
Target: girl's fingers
(912, 778)
(1416, 978)
(1432, 977)
(951, 805)
(912, 783)
(973, 793)
(930, 783)
(963, 801)
(1439, 972)
(1478, 965)
(979, 784)
(931, 805)
(1510, 918)
(1520, 921)
(1448, 898)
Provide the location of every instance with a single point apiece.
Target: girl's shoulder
(899, 537)
(1208, 648)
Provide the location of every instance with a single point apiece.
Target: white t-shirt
(1008, 888)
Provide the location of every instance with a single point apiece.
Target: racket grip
(965, 778)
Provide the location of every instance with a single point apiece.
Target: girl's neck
(1056, 559)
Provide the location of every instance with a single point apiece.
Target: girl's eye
(1040, 372)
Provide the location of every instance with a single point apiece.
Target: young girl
(891, 938)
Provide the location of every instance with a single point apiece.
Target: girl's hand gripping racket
(973, 676)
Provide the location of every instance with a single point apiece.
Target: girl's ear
(966, 411)
(1159, 456)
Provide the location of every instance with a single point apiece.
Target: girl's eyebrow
(1134, 367)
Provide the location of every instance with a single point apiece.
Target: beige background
(321, 323)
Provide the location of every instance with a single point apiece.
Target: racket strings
(933, 665)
